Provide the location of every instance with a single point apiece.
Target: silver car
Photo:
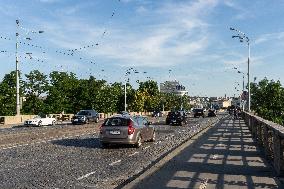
(125, 129)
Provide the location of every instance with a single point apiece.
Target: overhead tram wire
(69, 52)
(95, 44)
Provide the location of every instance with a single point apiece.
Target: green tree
(8, 94)
(62, 92)
(151, 97)
(35, 87)
(267, 100)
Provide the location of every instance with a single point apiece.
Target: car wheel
(139, 142)
(87, 121)
(53, 123)
(39, 123)
(97, 120)
(153, 139)
(180, 123)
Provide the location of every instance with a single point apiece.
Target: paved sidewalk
(225, 156)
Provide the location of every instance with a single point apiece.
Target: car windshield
(40, 116)
(116, 121)
(82, 112)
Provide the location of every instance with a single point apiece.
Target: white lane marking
(215, 156)
(157, 142)
(133, 154)
(115, 162)
(203, 184)
(86, 175)
(146, 147)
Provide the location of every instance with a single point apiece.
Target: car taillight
(131, 129)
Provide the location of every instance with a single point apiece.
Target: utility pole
(17, 73)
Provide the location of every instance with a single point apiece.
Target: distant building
(221, 103)
(173, 87)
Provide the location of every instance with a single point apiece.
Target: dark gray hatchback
(125, 129)
(85, 116)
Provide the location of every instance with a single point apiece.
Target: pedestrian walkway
(225, 156)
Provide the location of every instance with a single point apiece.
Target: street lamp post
(18, 108)
(128, 72)
(17, 73)
(243, 38)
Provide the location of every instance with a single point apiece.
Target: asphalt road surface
(70, 156)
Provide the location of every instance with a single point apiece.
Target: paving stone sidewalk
(225, 156)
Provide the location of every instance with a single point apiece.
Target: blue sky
(190, 38)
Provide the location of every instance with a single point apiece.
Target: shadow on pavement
(83, 143)
(225, 156)
(88, 143)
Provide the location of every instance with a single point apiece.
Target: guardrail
(270, 136)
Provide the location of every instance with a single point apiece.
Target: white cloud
(181, 34)
(267, 37)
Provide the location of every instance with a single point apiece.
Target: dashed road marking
(86, 175)
(157, 142)
(146, 147)
(215, 156)
(115, 162)
(133, 154)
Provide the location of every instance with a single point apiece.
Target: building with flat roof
(173, 87)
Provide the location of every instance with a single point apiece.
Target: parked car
(123, 113)
(40, 120)
(85, 116)
(198, 112)
(125, 129)
(176, 118)
(157, 114)
(211, 113)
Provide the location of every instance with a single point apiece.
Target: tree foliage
(64, 92)
(267, 100)
(8, 94)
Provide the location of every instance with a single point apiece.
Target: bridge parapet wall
(270, 136)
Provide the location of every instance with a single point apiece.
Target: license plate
(114, 132)
(174, 121)
(75, 119)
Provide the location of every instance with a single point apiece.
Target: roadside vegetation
(267, 100)
(64, 91)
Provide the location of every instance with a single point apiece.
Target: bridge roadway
(66, 156)
(224, 156)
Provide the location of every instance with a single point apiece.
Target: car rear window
(197, 110)
(82, 112)
(116, 122)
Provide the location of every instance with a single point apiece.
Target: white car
(40, 120)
